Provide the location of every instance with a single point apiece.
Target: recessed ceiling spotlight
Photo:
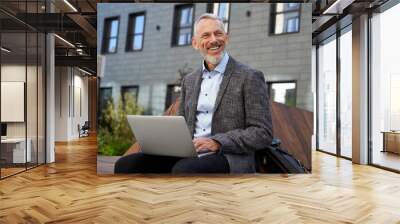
(5, 50)
(65, 41)
(71, 6)
(84, 71)
(337, 7)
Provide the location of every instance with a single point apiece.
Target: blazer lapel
(230, 67)
(195, 99)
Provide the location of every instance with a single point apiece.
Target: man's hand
(204, 144)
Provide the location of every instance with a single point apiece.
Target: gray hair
(208, 16)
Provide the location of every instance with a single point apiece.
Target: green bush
(114, 135)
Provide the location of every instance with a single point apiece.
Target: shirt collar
(221, 65)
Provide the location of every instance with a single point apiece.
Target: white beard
(213, 60)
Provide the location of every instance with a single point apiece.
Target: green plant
(114, 135)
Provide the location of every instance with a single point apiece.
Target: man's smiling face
(210, 40)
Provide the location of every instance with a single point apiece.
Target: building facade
(145, 47)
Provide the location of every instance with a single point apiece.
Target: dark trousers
(142, 163)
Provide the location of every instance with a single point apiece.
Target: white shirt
(208, 94)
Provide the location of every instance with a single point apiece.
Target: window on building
(135, 36)
(222, 10)
(129, 92)
(283, 92)
(285, 18)
(173, 92)
(183, 25)
(105, 97)
(110, 35)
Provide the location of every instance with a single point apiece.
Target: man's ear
(227, 39)
(194, 43)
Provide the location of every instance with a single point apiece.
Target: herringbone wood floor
(69, 191)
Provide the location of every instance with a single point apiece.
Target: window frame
(210, 9)
(106, 40)
(122, 91)
(100, 98)
(169, 95)
(130, 34)
(371, 63)
(326, 39)
(176, 26)
(273, 15)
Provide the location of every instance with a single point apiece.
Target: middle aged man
(225, 104)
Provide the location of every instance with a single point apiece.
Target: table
(16, 147)
(391, 141)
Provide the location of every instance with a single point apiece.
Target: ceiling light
(65, 41)
(333, 6)
(70, 5)
(337, 7)
(5, 50)
(84, 71)
(79, 51)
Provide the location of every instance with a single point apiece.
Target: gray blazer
(241, 121)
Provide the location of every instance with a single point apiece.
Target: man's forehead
(208, 23)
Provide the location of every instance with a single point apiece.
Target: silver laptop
(163, 135)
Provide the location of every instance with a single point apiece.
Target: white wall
(80, 96)
(61, 103)
(71, 94)
(16, 73)
(33, 126)
(50, 96)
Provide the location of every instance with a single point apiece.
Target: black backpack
(273, 159)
